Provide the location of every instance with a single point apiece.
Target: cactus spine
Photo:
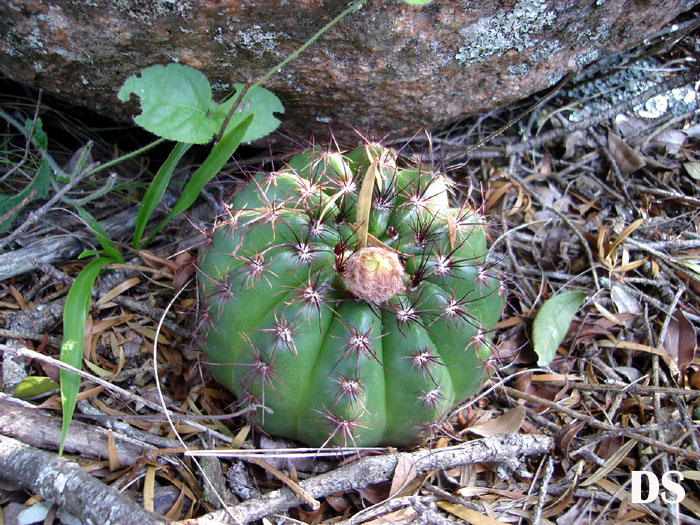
(332, 339)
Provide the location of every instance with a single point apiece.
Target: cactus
(345, 302)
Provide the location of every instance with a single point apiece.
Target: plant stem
(310, 41)
(291, 57)
(127, 156)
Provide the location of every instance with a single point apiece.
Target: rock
(388, 67)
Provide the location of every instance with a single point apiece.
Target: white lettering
(637, 486)
(673, 487)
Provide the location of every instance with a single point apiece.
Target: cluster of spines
(437, 260)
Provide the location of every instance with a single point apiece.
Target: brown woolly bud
(374, 274)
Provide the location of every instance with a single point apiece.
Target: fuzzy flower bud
(374, 274)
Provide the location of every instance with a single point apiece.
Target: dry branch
(376, 469)
(64, 483)
(58, 247)
(690, 454)
(41, 429)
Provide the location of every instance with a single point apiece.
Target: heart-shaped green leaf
(258, 101)
(175, 103)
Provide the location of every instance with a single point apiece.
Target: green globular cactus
(345, 302)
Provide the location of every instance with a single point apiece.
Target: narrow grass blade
(74, 317)
(156, 190)
(108, 249)
(219, 156)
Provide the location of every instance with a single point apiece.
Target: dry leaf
(563, 438)
(612, 462)
(404, 473)
(374, 493)
(695, 380)
(176, 509)
(691, 503)
(626, 158)
(572, 140)
(508, 422)
(624, 302)
(112, 453)
(149, 488)
(680, 341)
(468, 515)
(155, 261)
(405, 515)
(364, 201)
(118, 290)
(627, 125)
(671, 139)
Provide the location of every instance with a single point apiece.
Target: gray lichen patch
(628, 82)
(259, 41)
(586, 57)
(506, 30)
(148, 10)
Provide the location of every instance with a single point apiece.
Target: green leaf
(219, 156)
(156, 190)
(175, 103)
(33, 386)
(418, 2)
(694, 267)
(37, 189)
(74, 316)
(258, 101)
(108, 248)
(41, 139)
(552, 322)
(693, 169)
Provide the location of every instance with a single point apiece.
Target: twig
(631, 388)
(566, 220)
(384, 507)
(308, 499)
(64, 483)
(558, 133)
(688, 199)
(602, 496)
(376, 469)
(38, 428)
(56, 248)
(547, 477)
(556, 89)
(603, 426)
(124, 394)
(426, 515)
(165, 410)
(637, 294)
(672, 507)
(603, 147)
